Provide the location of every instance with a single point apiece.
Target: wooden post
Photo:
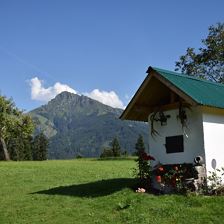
(172, 97)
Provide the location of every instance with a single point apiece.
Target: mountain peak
(77, 124)
(82, 101)
(71, 97)
(66, 95)
(75, 104)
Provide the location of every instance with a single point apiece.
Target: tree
(115, 147)
(107, 152)
(208, 61)
(20, 141)
(15, 127)
(144, 170)
(140, 145)
(39, 147)
(6, 113)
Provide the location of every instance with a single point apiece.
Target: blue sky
(100, 48)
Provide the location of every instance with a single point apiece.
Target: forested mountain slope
(78, 125)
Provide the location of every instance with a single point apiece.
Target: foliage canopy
(16, 133)
(208, 61)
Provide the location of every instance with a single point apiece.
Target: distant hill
(78, 125)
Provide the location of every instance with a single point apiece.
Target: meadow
(92, 191)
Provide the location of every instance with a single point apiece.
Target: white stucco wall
(193, 138)
(213, 126)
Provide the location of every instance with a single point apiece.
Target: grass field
(91, 191)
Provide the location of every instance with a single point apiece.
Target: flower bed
(175, 177)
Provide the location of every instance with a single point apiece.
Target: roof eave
(153, 73)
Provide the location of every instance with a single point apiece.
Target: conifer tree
(115, 147)
(39, 148)
(143, 164)
(140, 146)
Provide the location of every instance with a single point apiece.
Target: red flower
(158, 179)
(161, 169)
(176, 168)
(147, 157)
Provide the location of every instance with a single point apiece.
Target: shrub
(107, 153)
(178, 178)
(215, 182)
(79, 156)
(143, 171)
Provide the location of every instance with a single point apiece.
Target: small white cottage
(185, 116)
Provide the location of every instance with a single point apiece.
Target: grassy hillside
(90, 191)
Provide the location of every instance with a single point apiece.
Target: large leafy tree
(208, 61)
(15, 130)
(20, 138)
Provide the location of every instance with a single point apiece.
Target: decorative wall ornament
(182, 114)
(158, 115)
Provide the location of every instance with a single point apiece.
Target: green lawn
(90, 191)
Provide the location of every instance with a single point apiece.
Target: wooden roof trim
(207, 109)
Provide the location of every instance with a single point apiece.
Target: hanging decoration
(158, 115)
(182, 114)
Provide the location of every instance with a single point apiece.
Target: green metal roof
(203, 92)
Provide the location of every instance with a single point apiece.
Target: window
(174, 144)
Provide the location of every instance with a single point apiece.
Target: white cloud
(40, 93)
(108, 98)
